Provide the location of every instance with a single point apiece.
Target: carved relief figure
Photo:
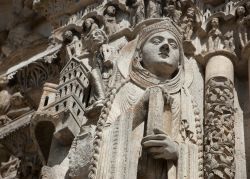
(125, 135)
(137, 11)
(229, 41)
(69, 37)
(154, 9)
(241, 26)
(89, 25)
(188, 23)
(171, 11)
(247, 18)
(97, 38)
(110, 19)
(214, 35)
(127, 90)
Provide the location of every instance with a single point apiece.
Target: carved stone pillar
(219, 132)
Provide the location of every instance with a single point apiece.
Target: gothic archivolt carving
(122, 86)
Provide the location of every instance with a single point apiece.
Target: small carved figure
(188, 23)
(71, 40)
(110, 19)
(229, 41)
(108, 53)
(171, 11)
(247, 18)
(214, 35)
(241, 25)
(89, 25)
(97, 38)
(154, 9)
(137, 11)
(68, 36)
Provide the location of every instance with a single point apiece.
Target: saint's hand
(160, 146)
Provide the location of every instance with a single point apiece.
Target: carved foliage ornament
(219, 134)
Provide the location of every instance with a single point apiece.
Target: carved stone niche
(52, 131)
(214, 2)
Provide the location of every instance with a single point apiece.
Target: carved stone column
(219, 135)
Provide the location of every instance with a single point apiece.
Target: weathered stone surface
(138, 89)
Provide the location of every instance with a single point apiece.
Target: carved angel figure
(147, 118)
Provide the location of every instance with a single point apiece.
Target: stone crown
(165, 25)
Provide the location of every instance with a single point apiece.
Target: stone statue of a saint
(147, 128)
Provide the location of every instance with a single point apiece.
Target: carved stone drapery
(219, 135)
(91, 77)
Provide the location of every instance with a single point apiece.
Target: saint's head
(160, 49)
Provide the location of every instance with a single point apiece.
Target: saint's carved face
(161, 54)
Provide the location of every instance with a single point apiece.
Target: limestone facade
(124, 89)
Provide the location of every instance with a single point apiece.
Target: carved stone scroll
(154, 168)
